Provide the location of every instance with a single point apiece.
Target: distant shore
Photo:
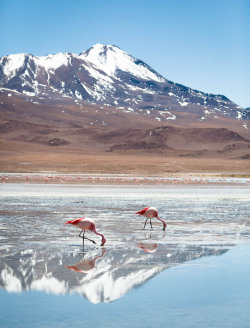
(171, 179)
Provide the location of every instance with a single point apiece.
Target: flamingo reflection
(148, 247)
(85, 266)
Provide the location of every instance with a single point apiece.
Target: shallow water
(196, 274)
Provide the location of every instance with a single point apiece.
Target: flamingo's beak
(103, 241)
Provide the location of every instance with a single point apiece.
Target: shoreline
(101, 179)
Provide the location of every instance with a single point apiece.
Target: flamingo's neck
(97, 233)
(99, 256)
(164, 223)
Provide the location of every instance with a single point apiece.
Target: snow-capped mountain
(92, 75)
(106, 75)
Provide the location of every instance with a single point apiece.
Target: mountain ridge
(106, 75)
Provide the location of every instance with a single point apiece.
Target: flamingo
(149, 248)
(149, 213)
(86, 224)
(86, 265)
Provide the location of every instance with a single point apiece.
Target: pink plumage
(149, 213)
(149, 248)
(85, 266)
(87, 224)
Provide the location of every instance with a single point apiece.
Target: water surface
(194, 274)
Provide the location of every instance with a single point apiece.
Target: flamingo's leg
(82, 231)
(90, 240)
(145, 223)
(151, 224)
(83, 237)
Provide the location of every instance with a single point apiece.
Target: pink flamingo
(149, 213)
(149, 248)
(85, 265)
(86, 224)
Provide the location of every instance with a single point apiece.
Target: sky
(203, 44)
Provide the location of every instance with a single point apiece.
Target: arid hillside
(44, 138)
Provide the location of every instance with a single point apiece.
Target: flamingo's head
(103, 241)
(164, 226)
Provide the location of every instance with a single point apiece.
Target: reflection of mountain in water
(109, 274)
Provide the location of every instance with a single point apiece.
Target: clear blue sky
(203, 44)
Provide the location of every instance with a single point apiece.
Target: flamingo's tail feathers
(68, 222)
(142, 211)
(75, 221)
(72, 268)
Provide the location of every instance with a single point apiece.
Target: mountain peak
(107, 57)
(101, 48)
(111, 59)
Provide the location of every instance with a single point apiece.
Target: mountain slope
(104, 75)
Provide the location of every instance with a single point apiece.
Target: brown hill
(79, 137)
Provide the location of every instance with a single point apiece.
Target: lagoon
(196, 274)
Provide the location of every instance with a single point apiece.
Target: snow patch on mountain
(184, 103)
(12, 63)
(53, 61)
(96, 73)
